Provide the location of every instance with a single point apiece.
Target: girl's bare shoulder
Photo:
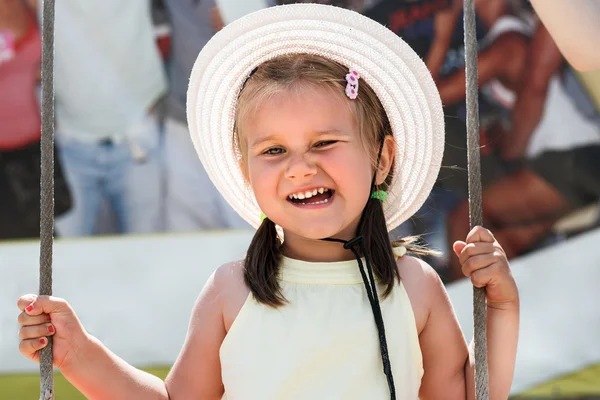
(232, 290)
(423, 286)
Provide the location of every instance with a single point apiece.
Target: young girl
(329, 124)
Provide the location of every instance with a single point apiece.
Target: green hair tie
(379, 195)
(262, 216)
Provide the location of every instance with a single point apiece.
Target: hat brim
(394, 71)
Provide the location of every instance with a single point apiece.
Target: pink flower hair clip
(352, 85)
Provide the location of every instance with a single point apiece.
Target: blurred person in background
(162, 28)
(441, 40)
(20, 124)
(354, 5)
(547, 142)
(434, 29)
(445, 56)
(108, 80)
(575, 27)
(426, 26)
(192, 201)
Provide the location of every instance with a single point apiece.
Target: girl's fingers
(475, 249)
(480, 234)
(36, 331)
(25, 301)
(36, 305)
(476, 263)
(29, 347)
(458, 247)
(482, 277)
(28, 320)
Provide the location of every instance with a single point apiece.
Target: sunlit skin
(307, 139)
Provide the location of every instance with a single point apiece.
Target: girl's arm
(575, 26)
(502, 338)
(443, 347)
(197, 371)
(100, 374)
(93, 369)
(446, 361)
(483, 260)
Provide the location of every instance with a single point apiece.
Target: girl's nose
(300, 167)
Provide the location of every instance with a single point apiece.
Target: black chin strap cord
(357, 246)
(371, 289)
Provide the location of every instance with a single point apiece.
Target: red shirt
(20, 122)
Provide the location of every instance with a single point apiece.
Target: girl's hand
(484, 261)
(44, 316)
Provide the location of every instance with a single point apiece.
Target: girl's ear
(388, 153)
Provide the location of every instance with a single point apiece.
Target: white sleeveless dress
(324, 343)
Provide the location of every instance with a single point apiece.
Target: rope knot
(353, 242)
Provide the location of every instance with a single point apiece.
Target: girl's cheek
(264, 166)
(253, 167)
(260, 174)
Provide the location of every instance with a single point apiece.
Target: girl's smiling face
(306, 139)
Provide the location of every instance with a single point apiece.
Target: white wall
(136, 293)
(133, 293)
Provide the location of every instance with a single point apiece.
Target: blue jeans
(127, 174)
(192, 202)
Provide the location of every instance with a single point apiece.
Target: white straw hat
(394, 71)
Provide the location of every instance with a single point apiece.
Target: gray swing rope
(475, 213)
(47, 186)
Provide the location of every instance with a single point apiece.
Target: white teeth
(307, 195)
(317, 202)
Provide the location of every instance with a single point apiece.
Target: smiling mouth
(319, 198)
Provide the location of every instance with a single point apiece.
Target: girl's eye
(325, 143)
(274, 151)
